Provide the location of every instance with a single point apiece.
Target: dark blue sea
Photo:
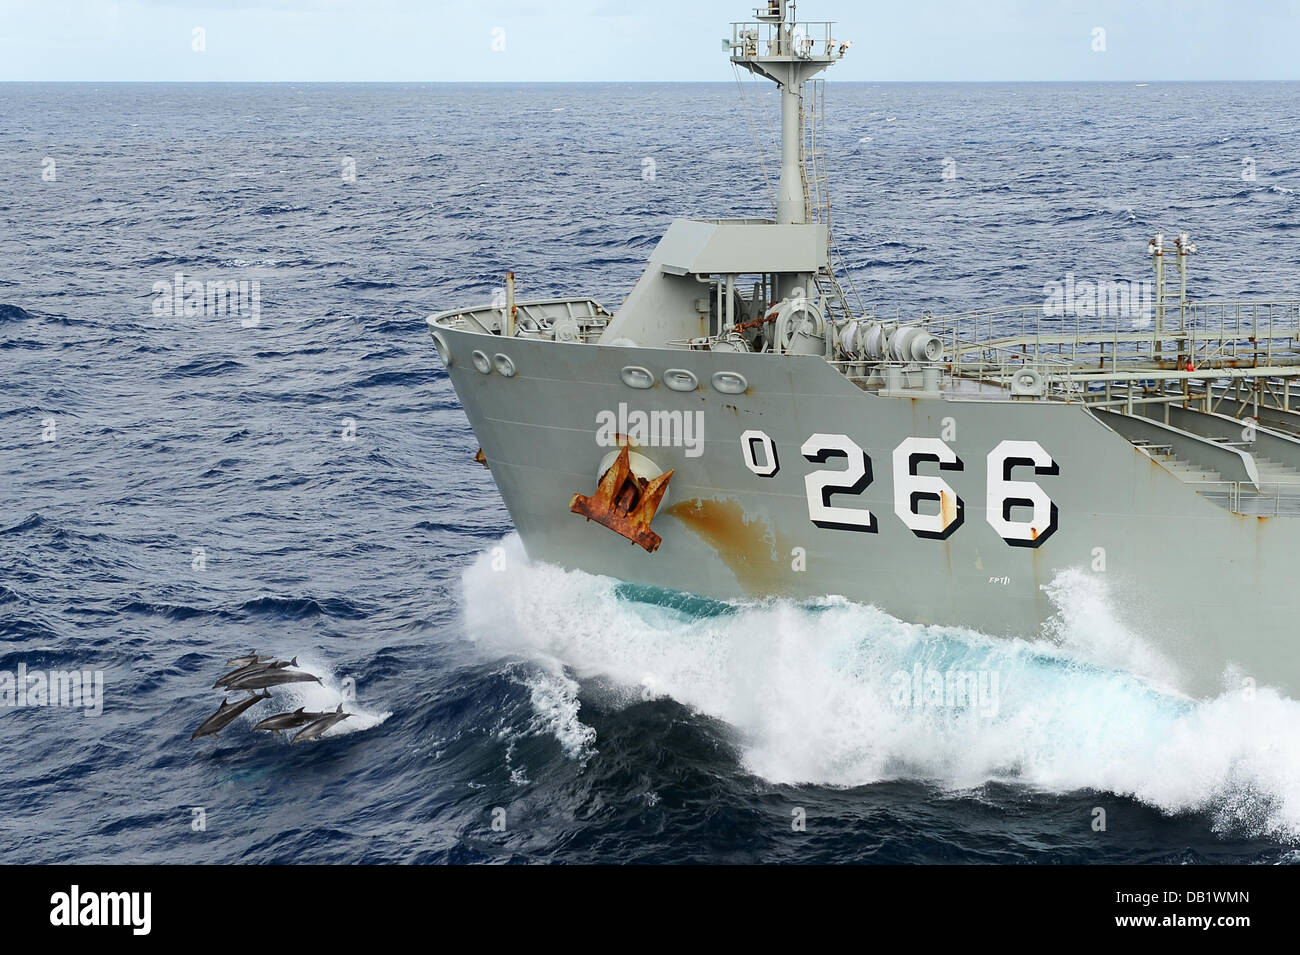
(177, 489)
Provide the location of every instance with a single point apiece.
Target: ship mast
(788, 53)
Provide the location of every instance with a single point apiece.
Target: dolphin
(313, 730)
(289, 721)
(248, 658)
(226, 714)
(260, 679)
(228, 678)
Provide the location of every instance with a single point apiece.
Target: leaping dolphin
(226, 714)
(289, 721)
(228, 678)
(313, 730)
(248, 658)
(260, 679)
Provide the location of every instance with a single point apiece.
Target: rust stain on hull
(947, 508)
(749, 547)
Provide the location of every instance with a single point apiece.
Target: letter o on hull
(756, 443)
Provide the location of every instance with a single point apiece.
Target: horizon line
(829, 80)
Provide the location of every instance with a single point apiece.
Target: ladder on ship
(817, 198)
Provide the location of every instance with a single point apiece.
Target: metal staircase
(816, 201)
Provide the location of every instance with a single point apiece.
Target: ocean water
(178, 489)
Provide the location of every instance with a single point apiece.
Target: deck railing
(808, 38)
(1125, 344)
(1267, 500)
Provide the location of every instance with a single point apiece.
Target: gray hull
(1208, 588)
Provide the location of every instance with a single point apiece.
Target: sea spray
(807, 688)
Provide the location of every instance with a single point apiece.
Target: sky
(637, 40)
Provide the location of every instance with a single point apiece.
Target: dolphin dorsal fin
(293, 662)
(300, 709)
(340, 709)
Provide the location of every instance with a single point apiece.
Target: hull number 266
(1019, 510)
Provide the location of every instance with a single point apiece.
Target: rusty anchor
(624, 502)
(480, 459)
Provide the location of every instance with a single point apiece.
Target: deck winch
(799, 328)
(883, 341)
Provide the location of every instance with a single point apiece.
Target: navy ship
(737, 428)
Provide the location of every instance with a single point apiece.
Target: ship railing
(1249, 500)
(532, 318)
(1112, 342)
(808, 38)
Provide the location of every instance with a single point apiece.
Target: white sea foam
(811, 691)
(554, 698)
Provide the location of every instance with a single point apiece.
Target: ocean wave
(301, 608)
(813, 692)
(12, 313)
(204, 367)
